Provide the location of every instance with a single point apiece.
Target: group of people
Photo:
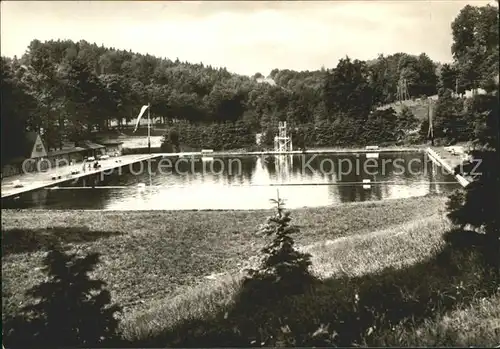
(96, 165)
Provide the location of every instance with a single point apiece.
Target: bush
(217, 136)
(170, 142)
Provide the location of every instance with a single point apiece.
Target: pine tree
(72, 310)
(283, 268)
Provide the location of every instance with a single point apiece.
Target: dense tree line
(66, 89)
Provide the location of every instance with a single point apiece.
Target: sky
(245, 37)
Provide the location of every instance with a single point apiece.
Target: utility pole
(430, 132)
(149, 130)
(149, 144)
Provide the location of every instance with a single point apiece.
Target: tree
(448, 78)
(487, 41)
(87, 99)
(16, 108)
(283, 269)
(115, 90)
(475, 44)
(78, 87)
(40, 75)
(448, 118)
(174, 138)
(380, 126)
(475, 36)
(258, 76)
(347, 91)
(251, 119)
(404, 124)
(408, 70)
(72, 310)
(427, 77)
(380, 80)
(479, 204)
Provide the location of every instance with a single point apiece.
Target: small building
(30, 152)
(35, 146)
(33, 155)
(65, 156)
(113, 147)
(92, 149)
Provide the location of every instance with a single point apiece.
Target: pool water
(247, 182)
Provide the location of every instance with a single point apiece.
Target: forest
(67, 90)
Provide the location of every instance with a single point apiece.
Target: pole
(430, 133)
(149, 145)
(149, 130)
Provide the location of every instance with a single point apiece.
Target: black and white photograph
(225, 174)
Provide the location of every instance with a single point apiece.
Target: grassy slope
(418, 108)
(157, 258)
(348, 256)
(477, 324)
(149, 255)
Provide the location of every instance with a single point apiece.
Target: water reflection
(248, 183)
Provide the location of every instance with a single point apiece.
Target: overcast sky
(246, 37)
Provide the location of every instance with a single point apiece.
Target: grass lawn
(419, 108)
(348, 256)
(477, 324)
(156, 263)
(148, 255)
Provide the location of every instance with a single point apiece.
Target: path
(452, 159)
(38, 180)
(298, 152)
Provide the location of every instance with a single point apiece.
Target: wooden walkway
(298, 152)
(448, 161)
(39, 180)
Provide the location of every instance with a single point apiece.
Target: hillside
(418, 107)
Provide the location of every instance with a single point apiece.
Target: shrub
(170, 142)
